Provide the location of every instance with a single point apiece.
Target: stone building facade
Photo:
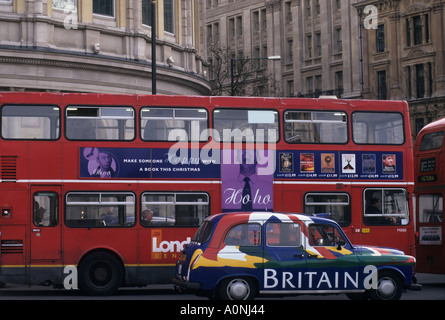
(100, 46)
(404, 57)
(316, 40)
(326, 50)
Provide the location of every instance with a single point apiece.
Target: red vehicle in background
(429, 155)
(114, 186)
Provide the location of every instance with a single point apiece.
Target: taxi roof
(265, 215)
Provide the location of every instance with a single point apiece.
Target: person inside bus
(147, 218)
(38, 214)
(376, 208)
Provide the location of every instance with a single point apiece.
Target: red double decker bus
(429, 155)
(114, 186)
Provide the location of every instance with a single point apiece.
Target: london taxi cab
(240, 255)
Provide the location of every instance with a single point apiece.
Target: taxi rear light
(194, 261)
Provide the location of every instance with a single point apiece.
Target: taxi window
(324, 235)
(204, 232)
(283, 234)
(246, 234)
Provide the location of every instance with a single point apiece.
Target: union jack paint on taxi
(241, 255)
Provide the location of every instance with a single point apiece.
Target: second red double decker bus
(429, 156)
(109, 188)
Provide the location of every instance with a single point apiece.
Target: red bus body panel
(53, 167)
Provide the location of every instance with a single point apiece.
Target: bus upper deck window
(30, 122)
(378, 128)
(100, 123)
(315, 127)
(244, 125)
(173, 124)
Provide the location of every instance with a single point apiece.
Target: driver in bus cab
(375, 208)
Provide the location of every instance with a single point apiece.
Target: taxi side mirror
(340, 243)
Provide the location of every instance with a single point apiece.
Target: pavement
(429, 278)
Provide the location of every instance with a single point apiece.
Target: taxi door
(284, 257)
(330, 265)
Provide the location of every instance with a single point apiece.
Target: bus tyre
(236, 289)
(100, 274)
(389, 287)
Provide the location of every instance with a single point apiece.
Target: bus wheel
(389, 287)
(100, 274)
(236, 289)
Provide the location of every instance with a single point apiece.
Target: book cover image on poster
(328, 163)
(286, 162)
(307, 162)
(389, 163)
(348, 163)
(369, 163)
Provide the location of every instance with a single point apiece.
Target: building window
(256, 21)
(339, 82)
(337, 4)
(380, 38)
(381, 84)
(146, 13)
(103, 7)
(308, 8)
(409, 82)
(317, 7)
(309, 46)
(318, 84)
(318, 44)
(408, 33)
(420, 81)
(290, 51)
(310, 85)
(239, 26)
(263, 20)
(338, 40)
(417, 29)
(168, 16)
(231, 29)
(288, 12)
(64, 4)
(427, 29)
(290, 88)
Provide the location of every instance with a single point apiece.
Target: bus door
(430, 246)
(45, 223)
